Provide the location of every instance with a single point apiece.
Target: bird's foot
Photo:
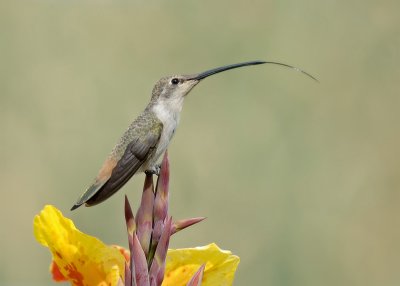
(155, 170)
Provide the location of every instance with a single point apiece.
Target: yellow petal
(81, 259)
(183, 263)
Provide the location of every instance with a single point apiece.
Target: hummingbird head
(172, 88)
(170, 91)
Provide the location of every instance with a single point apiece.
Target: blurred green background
(300, 179)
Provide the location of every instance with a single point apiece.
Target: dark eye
(174, 81)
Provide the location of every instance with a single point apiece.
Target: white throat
(168, 113)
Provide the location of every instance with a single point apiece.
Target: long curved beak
(205, 74)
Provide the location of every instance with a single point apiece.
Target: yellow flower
(86, 261)
(183, 263)
(77, 257)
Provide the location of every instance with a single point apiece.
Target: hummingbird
(149, 134)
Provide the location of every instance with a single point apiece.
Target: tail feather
(88, 194)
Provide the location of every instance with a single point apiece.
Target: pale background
(300, 179)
